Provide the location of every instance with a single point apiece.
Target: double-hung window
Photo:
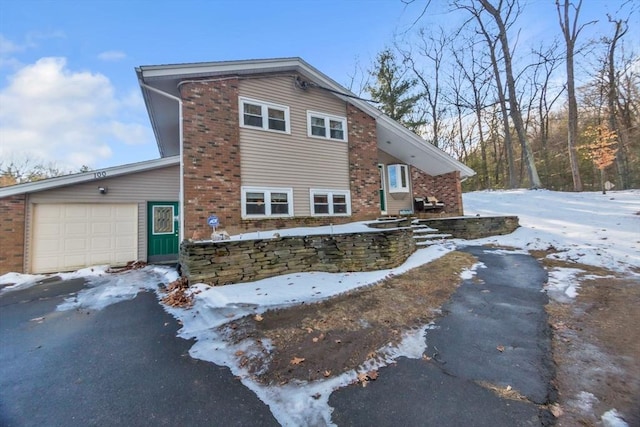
(256, 114)
(260, 202)
(320, 125)
(398, 178)
(330, 202)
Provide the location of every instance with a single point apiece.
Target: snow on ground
(588, 228)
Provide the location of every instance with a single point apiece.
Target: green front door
(163, 230)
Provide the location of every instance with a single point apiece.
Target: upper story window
(264, 115)
(330, 202)
(398, 178)
(320, 125)
(259, 202)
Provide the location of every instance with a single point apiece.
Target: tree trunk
(570, 34)
(612, 103)
(515, 113)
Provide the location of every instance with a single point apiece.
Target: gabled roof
(78, 178)
(393, 138)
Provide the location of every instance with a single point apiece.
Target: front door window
(163, 220)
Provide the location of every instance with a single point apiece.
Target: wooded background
(515, 112)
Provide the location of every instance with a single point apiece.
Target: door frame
(382, 192)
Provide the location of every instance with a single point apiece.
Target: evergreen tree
(393, 91)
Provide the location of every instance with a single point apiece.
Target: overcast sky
(68, 90)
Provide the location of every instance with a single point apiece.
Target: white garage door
(71, 236)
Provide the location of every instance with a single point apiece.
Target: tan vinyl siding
(271, 159)
(155, 185)
(395, 201)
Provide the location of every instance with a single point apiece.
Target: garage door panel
(75, 211)
(71, 244)
(101, 243)
(101, 228)
(77, 229)
(70, 236)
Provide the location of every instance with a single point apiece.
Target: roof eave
(65, 180)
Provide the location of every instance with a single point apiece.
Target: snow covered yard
(567, 230)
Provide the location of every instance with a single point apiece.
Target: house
(256, 143)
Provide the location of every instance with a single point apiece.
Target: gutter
(180, 132)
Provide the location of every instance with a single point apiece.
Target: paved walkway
(495, 332)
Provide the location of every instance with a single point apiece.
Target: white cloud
(7, 47)
(112, 55)
(48, 112)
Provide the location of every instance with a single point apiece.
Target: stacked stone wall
(225, 262)
(469, 227)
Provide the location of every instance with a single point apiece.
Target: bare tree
(477, 79)
(621, 28)
(514, 108)
(570, 31)
(28, 170)
(432, 48)
(492, 44)
(543, 73)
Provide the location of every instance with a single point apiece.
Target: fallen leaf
(258, 318)
(373, 375)
(297, 360)
(309, 330)
(500, 348)
(327, 373)
(315, 339)
(239, 353)
(556, 410)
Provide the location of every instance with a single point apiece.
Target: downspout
(181, 194)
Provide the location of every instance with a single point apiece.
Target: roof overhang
(393, 138)
(78, 178)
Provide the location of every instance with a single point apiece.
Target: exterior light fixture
(103, 190)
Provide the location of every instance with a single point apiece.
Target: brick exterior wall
(212, 175)
(211, 154)
(363, 165)
(12, 226)
(446, 188)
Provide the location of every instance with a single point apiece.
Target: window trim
(264, 109)
(330, 193)
(327, 118)
(267, 201)
(398, 168)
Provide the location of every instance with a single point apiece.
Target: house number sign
(98, 175)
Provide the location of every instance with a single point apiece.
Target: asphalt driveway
(124, 365)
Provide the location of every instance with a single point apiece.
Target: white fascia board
(63, 181)
(213, 68)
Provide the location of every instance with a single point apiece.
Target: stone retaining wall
(234, 261)
(472, 227)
